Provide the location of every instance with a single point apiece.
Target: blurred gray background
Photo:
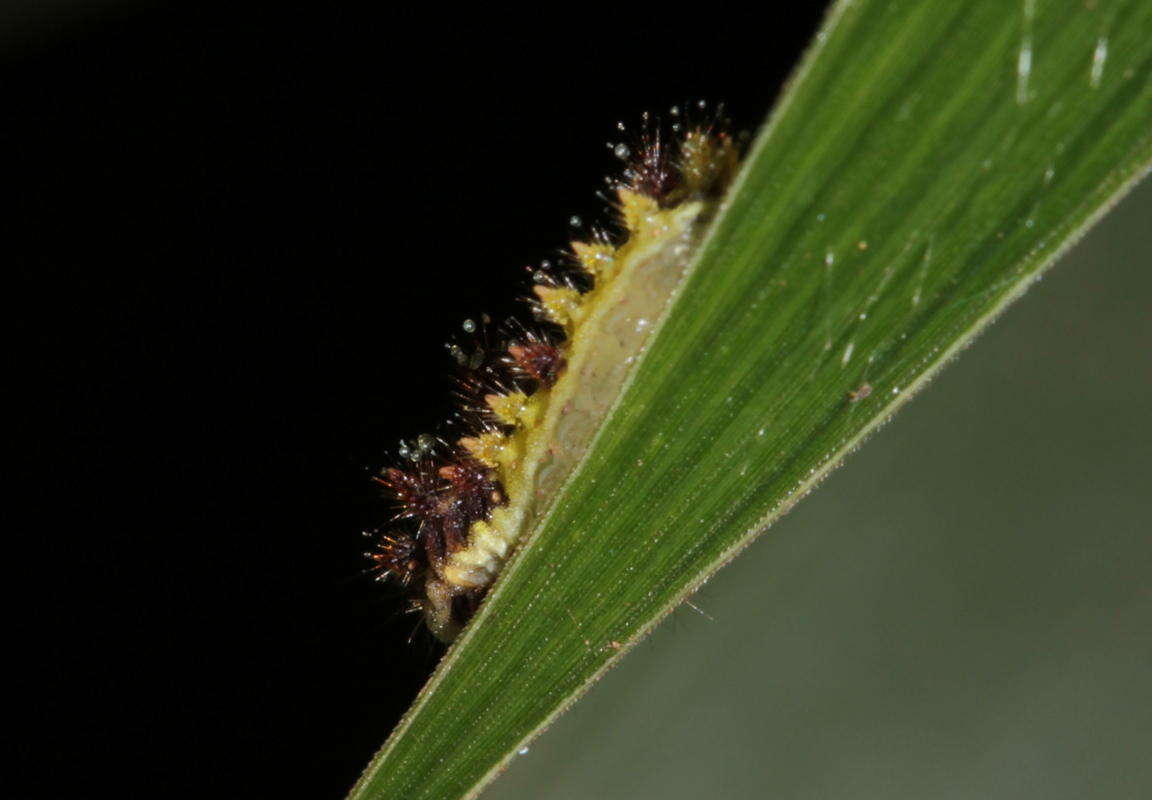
(962, 611)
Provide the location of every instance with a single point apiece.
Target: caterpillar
(531, 396)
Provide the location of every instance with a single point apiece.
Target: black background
(244, 232)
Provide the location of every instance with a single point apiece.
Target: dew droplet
(621, 151)
(469, 326)
(1099, 56)
(847, 354)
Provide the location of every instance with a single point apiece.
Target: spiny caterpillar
(532, 399)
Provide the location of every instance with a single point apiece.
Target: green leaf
(927, 162)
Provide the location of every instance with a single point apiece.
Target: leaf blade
(928, 161)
